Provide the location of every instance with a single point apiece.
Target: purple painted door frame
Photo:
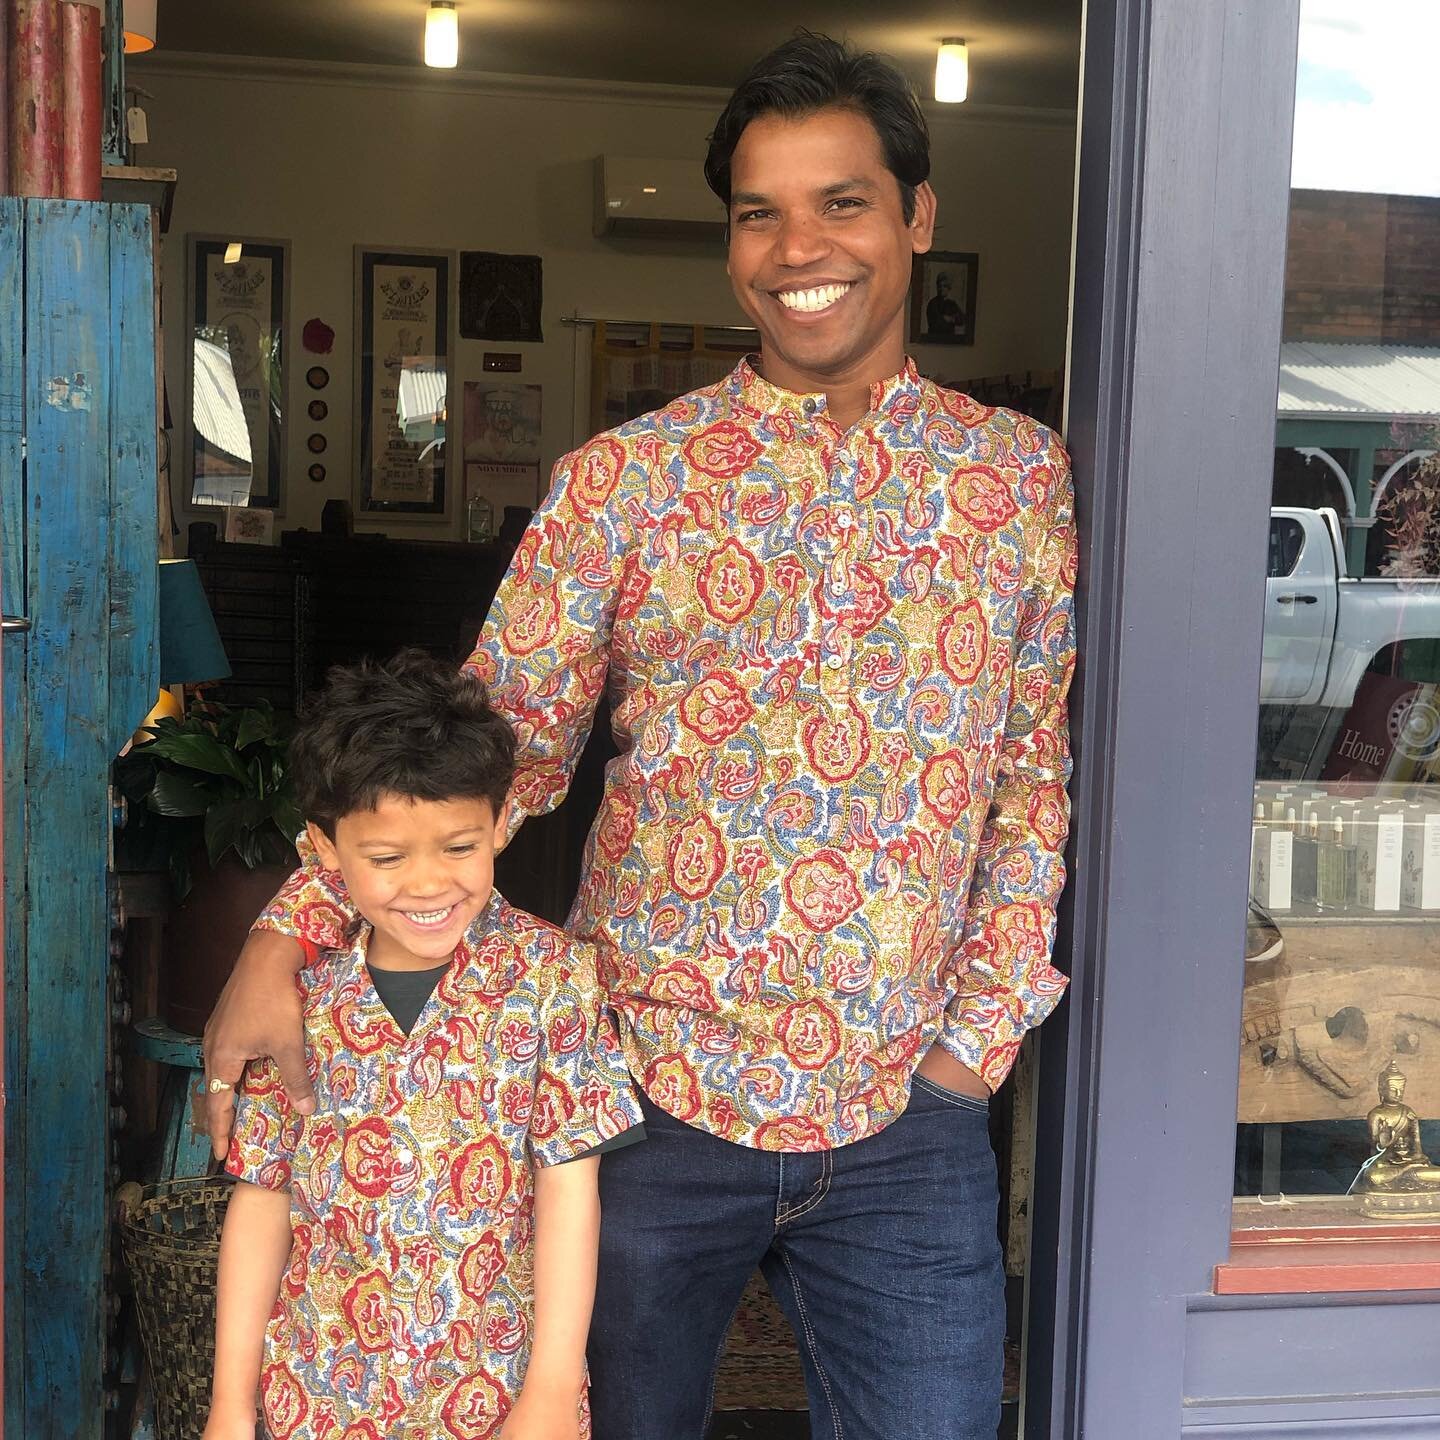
(1184, 174)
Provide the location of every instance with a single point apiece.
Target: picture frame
(236, 372)
(501, 297)
(943, 286)
(403, 382)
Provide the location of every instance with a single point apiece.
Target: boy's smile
(418, 870)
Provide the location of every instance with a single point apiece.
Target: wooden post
(84, 529)
(12, 594)
(4, 97)
(82, 63)
(36, 95)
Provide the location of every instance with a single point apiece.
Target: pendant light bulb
(442, 35)
(952, 72)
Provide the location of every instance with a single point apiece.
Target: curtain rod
(578, 320)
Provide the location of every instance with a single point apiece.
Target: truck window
(1287, 539)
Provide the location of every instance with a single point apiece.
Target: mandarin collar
(757, 393)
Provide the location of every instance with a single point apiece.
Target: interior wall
(328, 158)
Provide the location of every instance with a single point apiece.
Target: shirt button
(810, 405)
(844, 520)
(835, 661)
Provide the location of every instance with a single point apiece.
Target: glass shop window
(1339, 1112)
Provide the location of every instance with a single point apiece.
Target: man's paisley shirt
(837, 665)
(407, 1308)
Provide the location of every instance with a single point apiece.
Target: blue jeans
(883, 1254)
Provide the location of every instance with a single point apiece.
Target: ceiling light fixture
(952, 72)
(139, 23)
(442, 35)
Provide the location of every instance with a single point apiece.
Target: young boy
(414, 1260)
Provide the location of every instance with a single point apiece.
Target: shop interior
(393, 294)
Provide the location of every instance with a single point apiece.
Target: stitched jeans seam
(951, 1097)
(715, 1368)
(810, 1345)
(822, 1189)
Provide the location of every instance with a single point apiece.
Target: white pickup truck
(1323, 627)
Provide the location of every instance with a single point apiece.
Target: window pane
(1340, 1045)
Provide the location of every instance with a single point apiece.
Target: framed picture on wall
(942, 297)
(403, 344)
(235, 370)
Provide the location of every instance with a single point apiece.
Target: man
(943, 315)
(831, 603)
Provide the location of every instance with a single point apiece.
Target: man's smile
(814, 299)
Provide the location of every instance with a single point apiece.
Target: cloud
(1365, 110)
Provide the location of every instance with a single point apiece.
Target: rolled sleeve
(584, 1095)
(266, 1130)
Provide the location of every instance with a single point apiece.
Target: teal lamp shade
(190, 648)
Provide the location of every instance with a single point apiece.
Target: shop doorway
(314, 142)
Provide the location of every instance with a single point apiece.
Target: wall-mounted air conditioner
(656, 198)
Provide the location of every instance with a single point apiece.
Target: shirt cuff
(615, 1142)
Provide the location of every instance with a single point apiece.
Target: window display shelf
(1322, 1245)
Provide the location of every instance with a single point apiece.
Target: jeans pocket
(975, 1104)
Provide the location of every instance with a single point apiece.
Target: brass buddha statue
(1398, 1179)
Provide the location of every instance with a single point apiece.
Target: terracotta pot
(204, 934)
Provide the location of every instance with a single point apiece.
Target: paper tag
(136, 127)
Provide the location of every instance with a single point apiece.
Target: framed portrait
(403, 344)
(942, 298)
(236, 365)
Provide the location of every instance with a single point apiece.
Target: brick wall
(1363, 268)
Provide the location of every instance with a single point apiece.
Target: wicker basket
(171, 1240)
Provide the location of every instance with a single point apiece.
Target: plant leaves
(223, 824)
(254, 725)
(235, 823)
(288, 819)
(200, 752)
(175, 795)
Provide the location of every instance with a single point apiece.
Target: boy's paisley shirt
(407, 1308)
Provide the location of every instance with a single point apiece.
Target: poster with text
(236, 411)
(402, 381)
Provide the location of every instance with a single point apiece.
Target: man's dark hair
(813, 72)
(412, 726)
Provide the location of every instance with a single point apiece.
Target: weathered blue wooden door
(78, 531)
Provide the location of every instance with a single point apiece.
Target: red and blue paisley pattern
(838, 666)
(408, 1303)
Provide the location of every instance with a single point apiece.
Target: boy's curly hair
(411, 726)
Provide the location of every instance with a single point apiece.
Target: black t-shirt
(404, 993)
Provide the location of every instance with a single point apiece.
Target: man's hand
(543, 1415)
(257, 1015)
(941, 1068)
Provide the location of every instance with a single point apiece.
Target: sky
(1367, 108)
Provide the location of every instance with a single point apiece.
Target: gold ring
(217, 1085)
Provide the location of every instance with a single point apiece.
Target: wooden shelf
(1322, 1245)
(142, 185)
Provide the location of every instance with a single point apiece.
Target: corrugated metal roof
(1333, 381)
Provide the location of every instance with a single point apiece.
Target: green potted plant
(209, 799)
